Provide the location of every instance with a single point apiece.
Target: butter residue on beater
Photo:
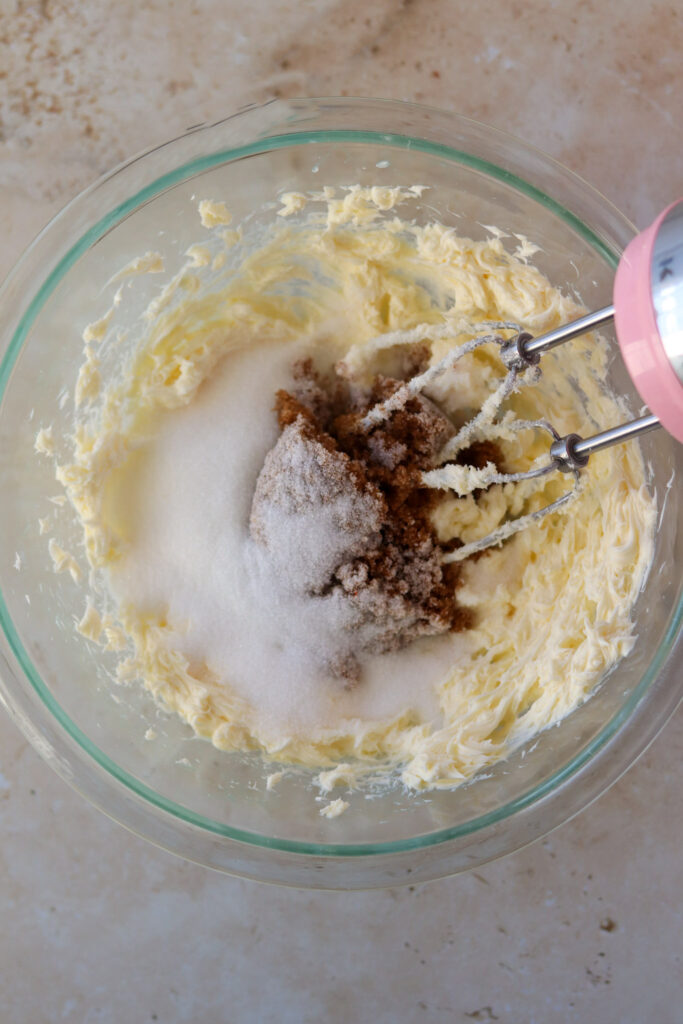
(340, 273)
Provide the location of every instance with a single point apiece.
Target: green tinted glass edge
(104, 225)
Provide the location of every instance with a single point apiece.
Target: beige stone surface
(98, 926)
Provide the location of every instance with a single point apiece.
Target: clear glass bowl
(179, 791)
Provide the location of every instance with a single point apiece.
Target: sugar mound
(183, 505)
(343, 513)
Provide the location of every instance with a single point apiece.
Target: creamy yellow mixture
(337, 275)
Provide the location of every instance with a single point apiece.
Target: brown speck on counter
(483, 1014)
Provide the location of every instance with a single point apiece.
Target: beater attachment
(648, 315)
(485, 425)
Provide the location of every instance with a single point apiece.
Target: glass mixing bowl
(178, 791)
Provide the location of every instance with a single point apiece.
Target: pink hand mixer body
(648, 316)
(648, 319)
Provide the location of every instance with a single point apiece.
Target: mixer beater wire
(461, 479)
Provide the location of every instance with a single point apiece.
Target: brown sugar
(345, 510)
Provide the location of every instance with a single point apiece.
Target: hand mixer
(647, 311)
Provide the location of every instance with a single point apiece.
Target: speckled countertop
(98, 926)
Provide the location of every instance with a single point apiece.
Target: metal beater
(647, 310)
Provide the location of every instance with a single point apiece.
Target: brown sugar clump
(344, 510)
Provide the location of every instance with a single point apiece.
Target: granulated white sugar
(190, 556)
(308, 513)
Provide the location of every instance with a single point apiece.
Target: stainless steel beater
(647, 310)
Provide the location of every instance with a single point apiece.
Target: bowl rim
(558, 779)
